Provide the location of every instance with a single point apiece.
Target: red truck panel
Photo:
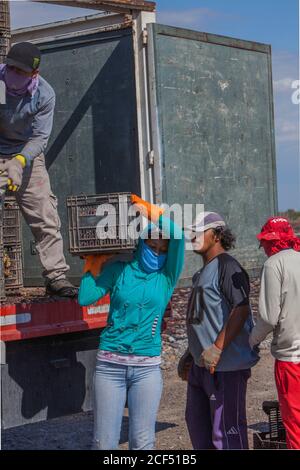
(31, 320)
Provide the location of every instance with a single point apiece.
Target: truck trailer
(174, 115)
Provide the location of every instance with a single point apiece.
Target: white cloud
(285, 72)
(287, 131)
(190, 18)
(285, 64)
(284, 84)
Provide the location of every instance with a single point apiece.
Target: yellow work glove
(151, 211)
(14, 170)
(94, 263)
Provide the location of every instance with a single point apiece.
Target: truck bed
(27, 295)
(30, 313)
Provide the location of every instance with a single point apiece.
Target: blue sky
(274, 22)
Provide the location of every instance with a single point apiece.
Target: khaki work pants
(38, 205)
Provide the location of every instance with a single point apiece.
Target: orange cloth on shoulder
(94, 263)
(151, 211)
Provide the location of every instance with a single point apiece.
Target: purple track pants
(216, 409)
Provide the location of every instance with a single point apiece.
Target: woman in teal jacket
(129, 356)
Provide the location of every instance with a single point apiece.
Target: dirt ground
(75, 432)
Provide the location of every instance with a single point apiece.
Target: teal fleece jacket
(137, 300)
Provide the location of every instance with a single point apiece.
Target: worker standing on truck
(129, 357)
(25, 125)
(279, 313)
(218, 361)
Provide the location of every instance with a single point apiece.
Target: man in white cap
(218, 360)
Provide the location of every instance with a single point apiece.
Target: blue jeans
(142, 386)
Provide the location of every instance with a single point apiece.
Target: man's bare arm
(233, 326)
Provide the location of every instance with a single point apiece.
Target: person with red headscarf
(279, 312)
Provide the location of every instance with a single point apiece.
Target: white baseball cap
(206, 220)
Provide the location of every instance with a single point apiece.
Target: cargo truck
(175, 115)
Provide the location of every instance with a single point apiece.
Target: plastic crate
(4, 35)
(2, 281)
(2, 291)
(262, 440)
(275, 438)
(276, 427)
(1, 224)
(83, 220)
(11, 222)
(2, 284)
(13, 267)
(4, 16)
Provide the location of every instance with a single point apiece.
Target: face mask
(275, 246)
(17, 84)
(150, 261)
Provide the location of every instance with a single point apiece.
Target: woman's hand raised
(94, 263)
(151, 211)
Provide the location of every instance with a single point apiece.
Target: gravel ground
(75, 432)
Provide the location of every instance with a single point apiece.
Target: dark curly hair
(227, 239)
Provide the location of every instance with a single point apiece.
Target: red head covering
(278, 234)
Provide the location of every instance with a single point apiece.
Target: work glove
(211, 357)
(13, 169)
(94, 263)
(184, 365)
(151, 211)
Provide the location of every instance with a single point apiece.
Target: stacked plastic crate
(4, 44)
(12, 246)
(4, 29)
(275, 436)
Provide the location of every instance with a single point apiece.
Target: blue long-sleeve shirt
(26, 122)
(138, 299)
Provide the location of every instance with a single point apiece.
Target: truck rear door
(213, 130)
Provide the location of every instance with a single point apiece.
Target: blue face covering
(150, 261)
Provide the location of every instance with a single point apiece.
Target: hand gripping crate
(275, 438)
(85, 213)
(13, 267)
(11, 222)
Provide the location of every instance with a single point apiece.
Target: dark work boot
(61, 288)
